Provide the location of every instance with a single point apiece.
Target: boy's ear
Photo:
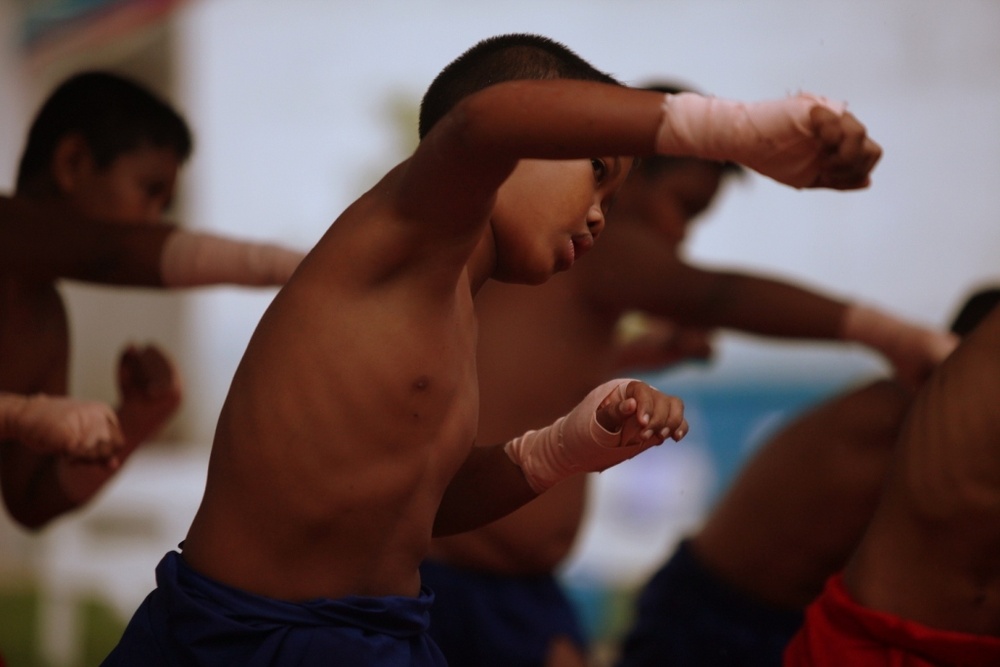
(71, 160)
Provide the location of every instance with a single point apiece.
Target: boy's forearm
(10, 406)
(913, 350)
(51, 241)
(31, 489)
(191, 259)
(559, 119)
(753, 304)
(79, 481)
(567, 119)
(487, 487)
(774, 308)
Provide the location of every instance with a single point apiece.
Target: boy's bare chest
(33, 335)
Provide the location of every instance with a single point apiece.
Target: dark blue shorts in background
(686, 617)
(488, 620)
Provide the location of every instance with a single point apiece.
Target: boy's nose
(595, 221)
(154, 214)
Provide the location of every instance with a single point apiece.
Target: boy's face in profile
(137, 187)
(548, 213)
(670, 201)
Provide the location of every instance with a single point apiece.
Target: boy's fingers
(852, 153)
(669, 417)
(614, 411)
(642, 414)
(656, 415)
(148, 370)
(827, 125)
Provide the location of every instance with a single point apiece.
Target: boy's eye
(600, 169)
(159, 192)
(154, 189)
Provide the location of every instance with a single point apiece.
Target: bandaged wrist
(191, 259)
(874, 328)
(772, 137)
(572, 444)
(909, 347)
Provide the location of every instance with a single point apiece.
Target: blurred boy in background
(541, 348)
(96, 176)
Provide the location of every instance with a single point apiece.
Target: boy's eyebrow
(617, 166)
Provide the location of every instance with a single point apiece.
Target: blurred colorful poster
(52, 27)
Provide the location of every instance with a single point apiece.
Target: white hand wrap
(774, 138)
(912, 349)
(572, 444)
(191, 259)
(60, 425)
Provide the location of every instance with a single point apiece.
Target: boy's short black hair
(113, 114)
(652, 166)
(974, 309)
(511, 57)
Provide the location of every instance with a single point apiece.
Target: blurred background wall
(299, 106)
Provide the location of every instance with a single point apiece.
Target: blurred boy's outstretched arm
(52, 241)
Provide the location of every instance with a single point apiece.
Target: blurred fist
(150, 390)
(81, 430)
(643, 342)
(847, 154)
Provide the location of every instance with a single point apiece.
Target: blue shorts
(191, 620)
(489, 620)
(686, 617)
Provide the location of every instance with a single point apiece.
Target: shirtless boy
(347, 437)
(97, 173)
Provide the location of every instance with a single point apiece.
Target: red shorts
(838, 632)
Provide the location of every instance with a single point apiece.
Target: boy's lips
(582, 243)
(577, 247)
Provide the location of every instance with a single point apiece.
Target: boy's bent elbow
(26, 516)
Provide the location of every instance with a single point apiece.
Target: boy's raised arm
(802, 141)
(805, 141)
(454, 175)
